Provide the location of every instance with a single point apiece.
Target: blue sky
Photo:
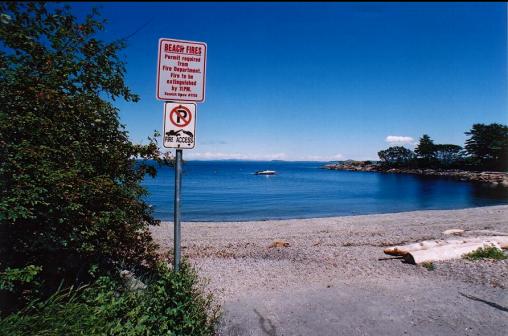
(321, 81)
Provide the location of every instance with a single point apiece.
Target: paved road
(397, 307)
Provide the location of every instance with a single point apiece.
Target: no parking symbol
(179, 125)
(180, 116)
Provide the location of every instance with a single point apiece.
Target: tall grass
(172, 304)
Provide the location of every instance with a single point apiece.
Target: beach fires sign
(179, 125)
(181, 70)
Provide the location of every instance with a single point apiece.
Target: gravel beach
(334, 279)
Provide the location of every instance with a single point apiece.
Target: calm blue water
(229, 191)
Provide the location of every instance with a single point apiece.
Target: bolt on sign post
(181, 75)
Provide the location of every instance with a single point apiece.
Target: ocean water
(229, 191)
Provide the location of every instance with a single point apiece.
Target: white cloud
(399, 139)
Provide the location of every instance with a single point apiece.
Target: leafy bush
(70, 193)
(11, 277)
(429, 265)
(489, 252)
(71, 204)
(19, 284)
(172, 304)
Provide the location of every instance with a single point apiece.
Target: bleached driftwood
(402, 250)
(446, 252)
(456, 232)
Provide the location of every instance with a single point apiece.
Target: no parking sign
(179, 125)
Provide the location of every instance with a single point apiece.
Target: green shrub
(172, 304)
(12, 277)
(18, 285)
(489, 252)
(429, 265)
(71, 200)
(70, 192)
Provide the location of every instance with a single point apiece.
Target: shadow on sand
(492, 304)
(268, 327)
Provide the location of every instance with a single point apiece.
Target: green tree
(426, 148)
(396, 156)
(488, 145)
(70, 193)
(449, 154)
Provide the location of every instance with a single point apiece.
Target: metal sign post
(180, 133)
(177, 225)
(181, 75)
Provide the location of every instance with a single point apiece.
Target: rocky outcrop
(131, 282)
(354, 166)
(494, 178)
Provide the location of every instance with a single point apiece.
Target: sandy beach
(334, 279)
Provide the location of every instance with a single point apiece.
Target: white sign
(179, 125)
(181, 70)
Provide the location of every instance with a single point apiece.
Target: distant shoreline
(494, 178)
(331, 217)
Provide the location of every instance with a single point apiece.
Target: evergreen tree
(426, 148)
(488, 146)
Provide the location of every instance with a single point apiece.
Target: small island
(484, 158)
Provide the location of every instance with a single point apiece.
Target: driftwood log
(402, 250)
(435, 250)
(456, 232)
(445, 252)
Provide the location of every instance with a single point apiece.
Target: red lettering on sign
(193, 50)
(169, 47)
(181, 70)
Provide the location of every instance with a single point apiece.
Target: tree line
(486, 148)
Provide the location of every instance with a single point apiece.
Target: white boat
(266, 172)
